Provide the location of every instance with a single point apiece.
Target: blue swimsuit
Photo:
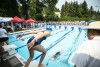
(38, 41)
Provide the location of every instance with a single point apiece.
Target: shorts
(3, 39)
(9, 30)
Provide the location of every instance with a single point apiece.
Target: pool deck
(5, 64)
(8, 64)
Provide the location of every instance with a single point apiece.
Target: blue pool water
(60, 39)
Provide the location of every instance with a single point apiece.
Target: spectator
(9, 29)
(88, 54)
(3, 36)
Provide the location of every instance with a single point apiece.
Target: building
(58, 14)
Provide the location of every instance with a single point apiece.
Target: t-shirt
(3, 33)
(88, 54)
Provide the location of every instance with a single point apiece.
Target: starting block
(9, 47)
(9, 51)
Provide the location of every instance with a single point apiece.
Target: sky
(94, 3)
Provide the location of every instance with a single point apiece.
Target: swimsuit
(38, 41)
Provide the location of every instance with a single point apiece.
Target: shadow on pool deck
(12, 62)
(5, 64)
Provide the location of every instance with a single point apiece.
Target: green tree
(56, 10)
(32, 9)
(98, 14)
(71, 10)
(65, 9)
(85, 9)
(76, 9)
(91, 12)
(50, 9)
(9, 8)
(25, 8)
(39, 9)
(80, 11)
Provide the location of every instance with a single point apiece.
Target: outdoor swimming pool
(60, 39)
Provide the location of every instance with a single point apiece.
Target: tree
(62, 11)
(76, 8)
(39, 9)
(56, 10)
(65, 9)
(25, 8)
(80, 11)
(50, 8)
(71, 9)
(32, 9)
(9, 8)
(85, 9)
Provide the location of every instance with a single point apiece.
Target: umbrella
(30, 20)
(91, 21)
(17, 19)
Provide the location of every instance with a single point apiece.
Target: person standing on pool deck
(34, 44)
(88, 54)
(3, 36)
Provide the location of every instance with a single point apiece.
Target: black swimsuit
(38, 41)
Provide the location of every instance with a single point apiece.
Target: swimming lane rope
(72, 49)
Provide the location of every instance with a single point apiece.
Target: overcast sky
(93, 3)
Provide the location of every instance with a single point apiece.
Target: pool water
(60, 39)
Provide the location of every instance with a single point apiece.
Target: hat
(94, 25)
(90, 21)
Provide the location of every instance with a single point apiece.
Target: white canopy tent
(5, 19)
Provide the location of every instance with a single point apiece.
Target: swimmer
(34, 43)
